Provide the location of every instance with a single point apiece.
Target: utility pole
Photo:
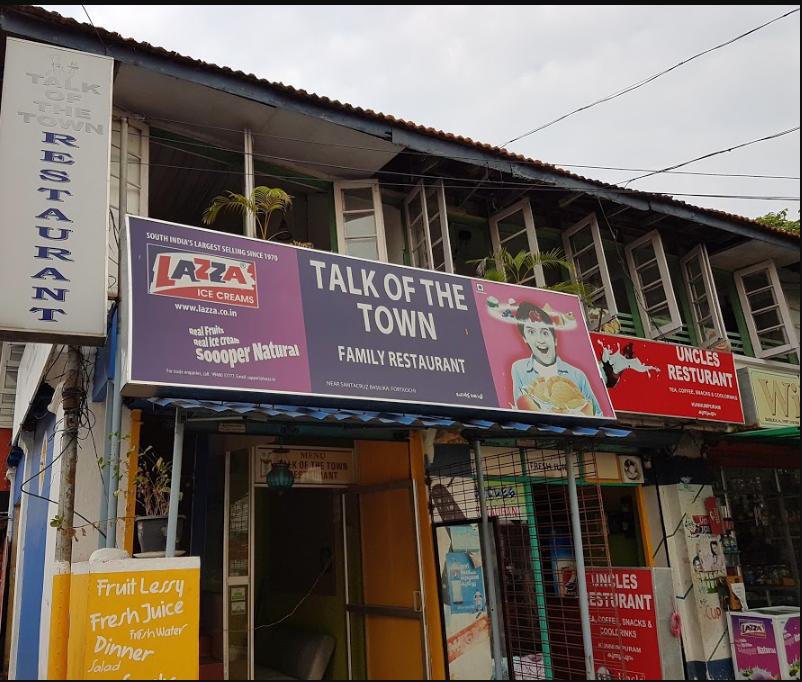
(72, 397)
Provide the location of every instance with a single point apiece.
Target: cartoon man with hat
(543, 364)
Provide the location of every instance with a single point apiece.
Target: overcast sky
(493, 73)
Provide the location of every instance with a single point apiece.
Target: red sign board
(714, 514)
(669, 380)
(623, 624)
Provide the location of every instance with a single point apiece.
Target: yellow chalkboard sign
(135, 619)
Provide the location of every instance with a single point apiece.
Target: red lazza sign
(623, 624)
(669, 380)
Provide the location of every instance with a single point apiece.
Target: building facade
(693, 317)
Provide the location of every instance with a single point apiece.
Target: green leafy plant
(780, 221)
(152, 481)
(262, 203)
(504, 266)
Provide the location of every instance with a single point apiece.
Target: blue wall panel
(35, 537)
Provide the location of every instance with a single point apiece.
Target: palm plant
(262, 202)
(504, 266)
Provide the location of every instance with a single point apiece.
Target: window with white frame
(518, 235)
(708, 321)
(427, 227)
(137, 171)
(583, 247)
(360, 224)
(766, 311)
(653, 289)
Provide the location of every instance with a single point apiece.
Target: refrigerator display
(765, 643)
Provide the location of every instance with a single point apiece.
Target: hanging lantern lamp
(280, 478)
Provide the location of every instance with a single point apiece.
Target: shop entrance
(322, 581)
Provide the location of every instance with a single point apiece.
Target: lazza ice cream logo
(753, 628)
(201, 277)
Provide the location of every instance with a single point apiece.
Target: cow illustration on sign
(614, 364)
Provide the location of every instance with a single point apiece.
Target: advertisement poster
(136, 624)
(702, 564)
(456, 498)
(563, 565)
(623, 624)
(791, 644)
(755, 648)
(463, 603)
(466, 592)
(670, 380)
(217, 313)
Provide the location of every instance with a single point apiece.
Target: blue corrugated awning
(333, 414)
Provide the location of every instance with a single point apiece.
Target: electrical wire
(465, 184)
(635, 288)
(85, 421)
(105, 48)
(645, 81)
(302, 600)
(716, 153)
(178, 146)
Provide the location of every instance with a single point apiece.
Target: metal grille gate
(527, 498)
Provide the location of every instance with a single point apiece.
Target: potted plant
(152, 480)
(262, 203)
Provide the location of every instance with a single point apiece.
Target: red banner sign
(669, 380)
(623, 624)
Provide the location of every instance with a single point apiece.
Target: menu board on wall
(623, 624)
(135, 619)
(310, 466)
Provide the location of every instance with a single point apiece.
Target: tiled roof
(110, 36)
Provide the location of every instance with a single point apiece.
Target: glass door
(385, 605)
(237, 602)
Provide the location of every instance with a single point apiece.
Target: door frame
(418, 611)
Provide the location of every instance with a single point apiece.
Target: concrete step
(210, 669)
(205, 646)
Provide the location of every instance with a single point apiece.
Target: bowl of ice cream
(558, 395)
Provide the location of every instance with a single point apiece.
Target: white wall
(704, 626)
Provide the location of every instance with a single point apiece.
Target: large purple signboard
(233, 318)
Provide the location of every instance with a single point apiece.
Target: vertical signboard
(624, 624)
(55, 144)
(135, 619)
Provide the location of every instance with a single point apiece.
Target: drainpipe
(106, 469)
(11, 477)
(250, 180)
(581, 578)
(175, 482)
(492, 601)
(116, 403)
